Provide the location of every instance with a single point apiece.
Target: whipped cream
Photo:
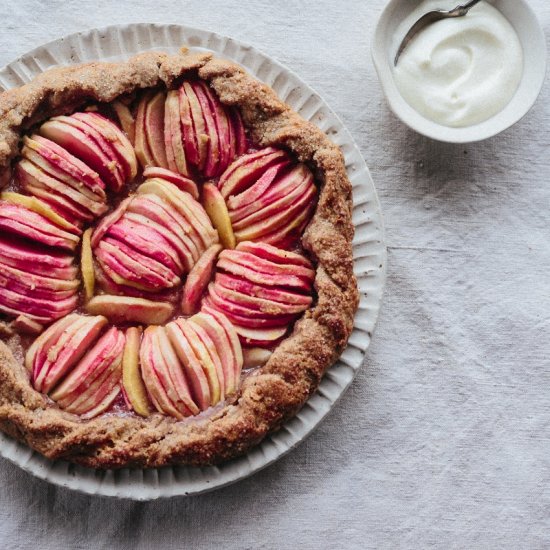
(459, 72)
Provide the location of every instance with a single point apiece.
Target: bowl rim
(516, 109)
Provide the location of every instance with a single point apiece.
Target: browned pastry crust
(276, 391)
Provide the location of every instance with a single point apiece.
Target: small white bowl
(532, 39)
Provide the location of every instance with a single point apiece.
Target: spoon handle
(468, 5)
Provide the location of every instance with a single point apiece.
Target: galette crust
(276, 391)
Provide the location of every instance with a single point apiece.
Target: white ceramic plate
(119, 42)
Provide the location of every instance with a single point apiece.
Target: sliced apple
(85, 144)
(127, 309)
(126, 119)
(198, 280)
(132, 379)
(181, 182)
(25, 325)
(198, 137)
(87, 265)
(19, 220)
(143, 151)
(256, 357)
(274, 254)
(215, 207)
(173, 137)
(154, 127)
(71, 346)
(108, 221)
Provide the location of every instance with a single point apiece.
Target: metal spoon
(432, 17)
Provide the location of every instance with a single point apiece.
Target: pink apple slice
(109, 220)
(143, 151)
(274, 254)
(127, 309)
(60, 164)
(213, 155)
(154, 127)
(184, 401)
(234, 342)
(155, 376)
(237, 130)
(25, 223)
(198, 137)
(194, 372)
(173, 136)
(82, 143)
(71, 346)
(181, 182)
(198, 280)
(119, 144)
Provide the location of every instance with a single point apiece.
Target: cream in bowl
(462, 71)
(465, 79)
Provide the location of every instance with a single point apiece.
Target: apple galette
(175, 261)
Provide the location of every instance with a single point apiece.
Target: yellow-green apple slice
(181, 182)
(89, 386)
(246, 170)
(126, 119)
(127, 309)
(274, 254)
(215, 207)
(21, 221)
(132, 379)
(40, 207)
(256, 357)
(115, 139)
(198, 280)
(183, 399)
(59, 163)
(154, 128)
(109, 220)
(234, 345)
(39, 348)
(213, 156)
(87, 265)
(198, 137)
(82, 142)
(143, 152)
(155, 375)
(274, 216)
(193, 369)
(71, 346)
(25, 325)
(155, 210)
(173, 137)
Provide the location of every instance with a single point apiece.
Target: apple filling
(149, 252)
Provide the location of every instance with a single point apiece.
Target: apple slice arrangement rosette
(152, 253)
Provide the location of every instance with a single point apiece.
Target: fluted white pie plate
(120, 42)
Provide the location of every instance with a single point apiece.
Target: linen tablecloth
(443, 440)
